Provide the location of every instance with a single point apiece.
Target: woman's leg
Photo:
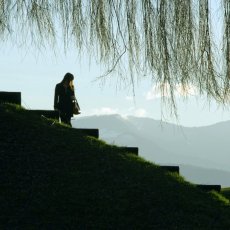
(65, 118)
(68, 120)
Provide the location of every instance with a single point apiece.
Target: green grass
(53, 177)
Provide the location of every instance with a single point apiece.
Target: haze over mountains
(203, 153)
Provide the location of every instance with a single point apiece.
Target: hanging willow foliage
(169, 40)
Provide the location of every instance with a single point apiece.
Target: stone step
(88, 132)
(10, 97)
(133, 150)
(173, 169)
(208, 188)
(52, 114)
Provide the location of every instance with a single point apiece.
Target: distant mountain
(207, 148)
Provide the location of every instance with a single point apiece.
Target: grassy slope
(54, 178)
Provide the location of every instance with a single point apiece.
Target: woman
(64, 97)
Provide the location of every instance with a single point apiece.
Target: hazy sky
(35, 74)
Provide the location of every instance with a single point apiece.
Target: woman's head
(68, 80)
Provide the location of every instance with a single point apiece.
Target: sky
(35, 73)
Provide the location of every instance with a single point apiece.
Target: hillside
(54, 177)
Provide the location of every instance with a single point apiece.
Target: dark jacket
(62, 99)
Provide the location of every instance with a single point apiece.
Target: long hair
(69, 79)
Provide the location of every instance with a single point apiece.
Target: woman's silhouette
(64, 98)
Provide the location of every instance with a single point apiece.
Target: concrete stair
(173, 169)
(133, 150)
(53, 114)
(10, 97)
(49, 114)
(88, 132)
(208, 188)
